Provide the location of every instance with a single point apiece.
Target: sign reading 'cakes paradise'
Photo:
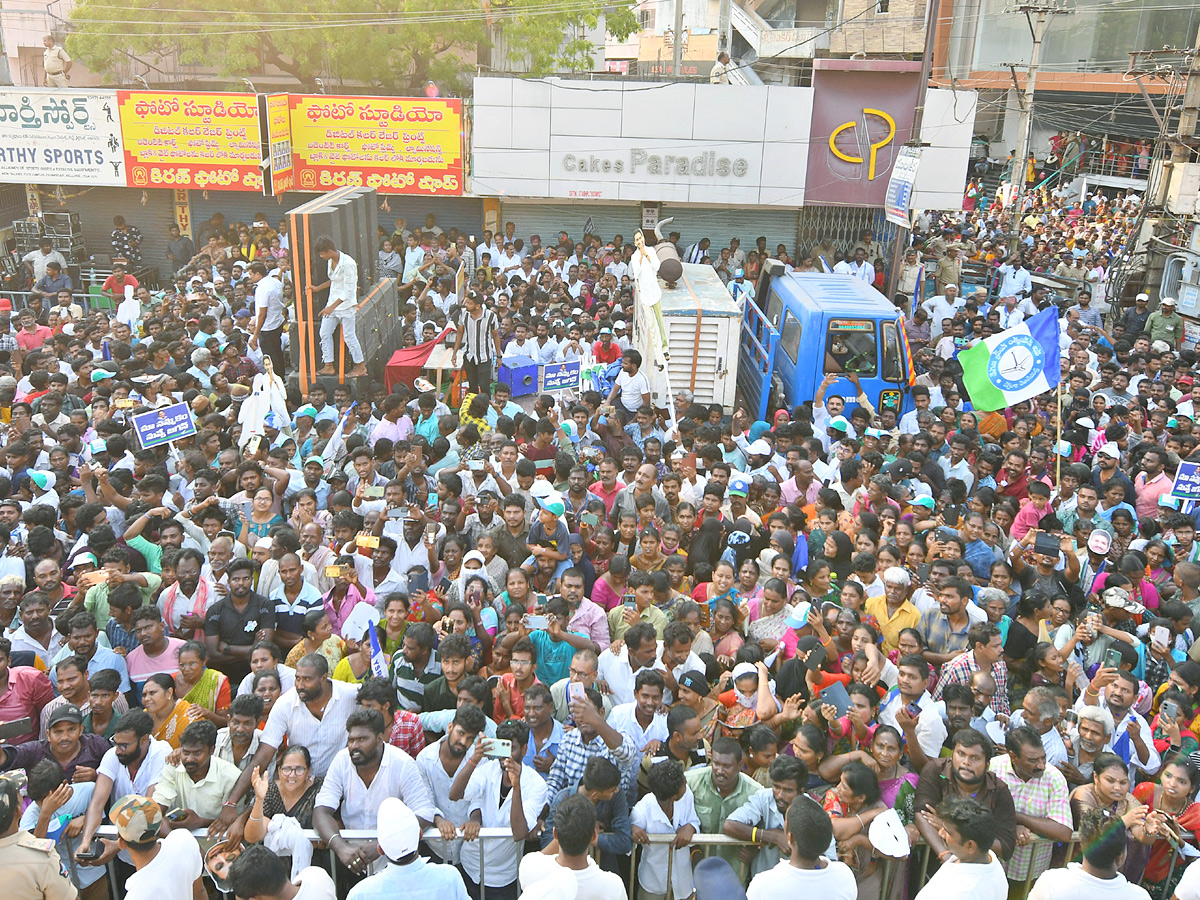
(397, 145)
(197, 141)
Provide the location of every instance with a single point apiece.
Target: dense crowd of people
(871, 650)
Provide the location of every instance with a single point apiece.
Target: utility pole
(678, 42)
(723, 25)
(1184, 143)
(902, 236)
(1038, 17)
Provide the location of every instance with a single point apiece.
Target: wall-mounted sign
(60, 136)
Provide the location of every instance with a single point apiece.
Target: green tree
(386, 47)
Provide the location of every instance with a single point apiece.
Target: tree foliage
(393, 48)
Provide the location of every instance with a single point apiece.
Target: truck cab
(804, 326)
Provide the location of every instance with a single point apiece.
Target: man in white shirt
(1017, 281)
(632, 386)
(487, 246)
(972, 870)
(618, 671)
(941, 307)
(167, 869)
(439, 763)
(269, 315)
(360, 778)
(1098, 877)
(341, 307)
(132, 766)
(641, 720)
(503, 793)
(574, 828)
(858, 267)
(807, 873)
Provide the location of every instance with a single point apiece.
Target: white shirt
(398, 776)
(1072, 883)
(323, 737)
(940, 308)
(615, 671)
(593, 883)
(343, 283)
(1189, 886)
(632, 388)
(979, 881)
(624, 719)
(652, 869)
(483, 793)
(1015, 281)
(147, 774)
(268, 295)
(429, 763)
(173, 871)
(863, 271)
(486, 248)
(833, 881)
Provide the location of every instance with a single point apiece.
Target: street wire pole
(1038, 17)
(902, 236)
(1184, 143)
(677, 43)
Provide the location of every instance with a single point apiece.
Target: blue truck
(801, 327)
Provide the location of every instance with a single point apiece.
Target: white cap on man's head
(398, 829)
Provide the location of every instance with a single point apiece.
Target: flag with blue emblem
(1015, 364)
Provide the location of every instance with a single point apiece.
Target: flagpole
(1058, 443)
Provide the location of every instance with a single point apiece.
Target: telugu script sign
(161, 426)
(60, 136)
(197, 141)
(396, 145)
(279, 143)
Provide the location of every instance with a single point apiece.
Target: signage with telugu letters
(60, 136)
(561, 376)
(1187, 482)
(161, 426)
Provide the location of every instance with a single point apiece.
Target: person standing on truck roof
(858, 267)
(644, 266)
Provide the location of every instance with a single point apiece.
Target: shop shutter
(777, 225)
(548, 219)
(463, 213)
(97, 206)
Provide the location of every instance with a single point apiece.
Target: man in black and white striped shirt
(479, 331)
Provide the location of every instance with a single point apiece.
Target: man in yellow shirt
(894, 611)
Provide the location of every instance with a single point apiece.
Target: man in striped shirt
(477, 327)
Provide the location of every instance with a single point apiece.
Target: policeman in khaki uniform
(55, 62)
(30, 868)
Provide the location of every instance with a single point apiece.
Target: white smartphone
(498, 749)
(537, 623)
(1161, 635)
(575, 691)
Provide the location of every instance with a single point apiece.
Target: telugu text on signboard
(60, 136)
(161, 426)
(197, 141)
(279, 142)
(397, 145)
(1187, 482)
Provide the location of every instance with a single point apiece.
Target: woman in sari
(649, 557)
(1109, 790)
(268, 686)
(722, 587)
(726, 639)
(169, 714)
(1174, 820)
(293, 793)
(206, 689)
(318, 638)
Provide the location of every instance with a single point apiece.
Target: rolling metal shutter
(548, 219)
(778, 225)
(463, 213)
(97, 206)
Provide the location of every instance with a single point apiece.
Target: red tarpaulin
(406, 363)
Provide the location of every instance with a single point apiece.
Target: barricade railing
(892, 868)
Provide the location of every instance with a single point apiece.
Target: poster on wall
(397, 145)
(60, 137)
(191, 140)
